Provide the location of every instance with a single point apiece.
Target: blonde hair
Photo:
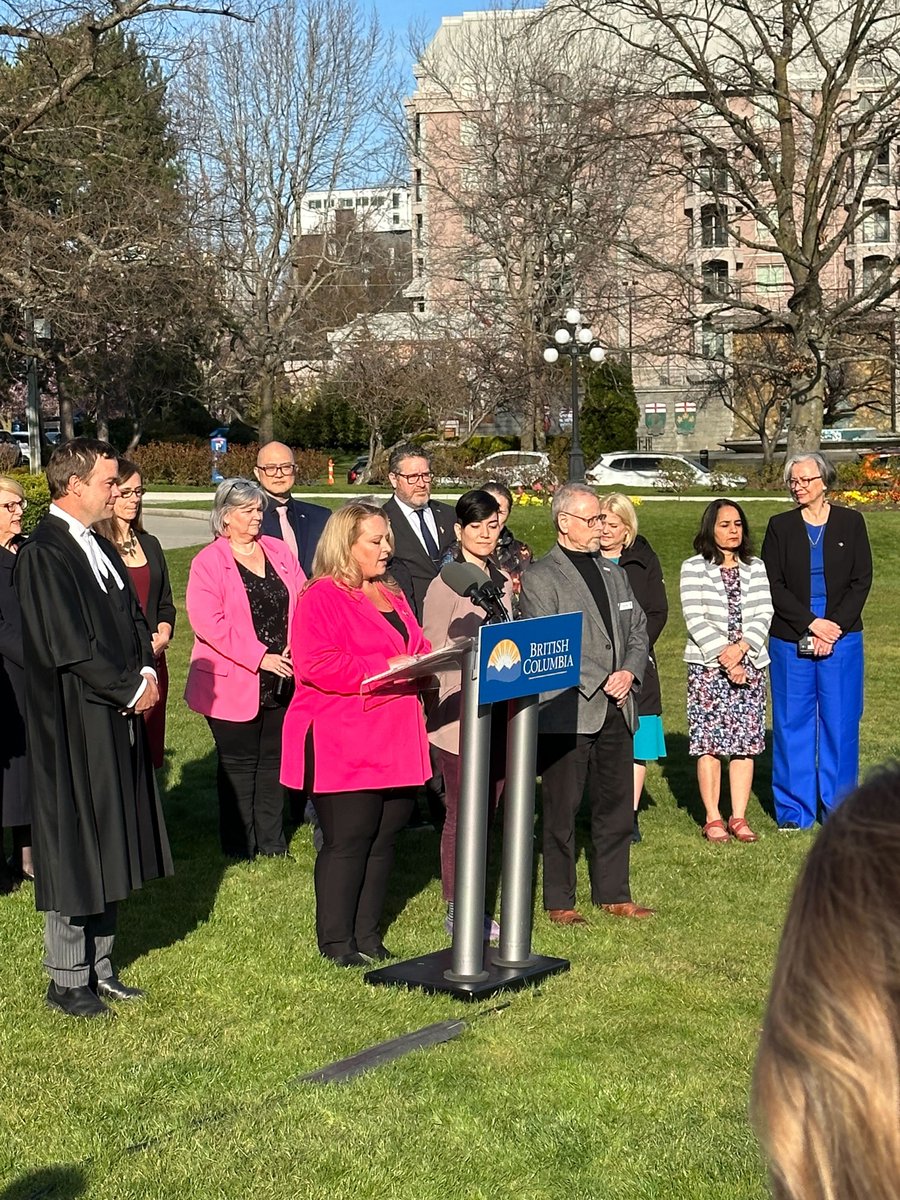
(8, 484)
(826, 1089)
(621, 507)
(333, 558)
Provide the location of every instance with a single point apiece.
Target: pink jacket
(375, 741)
(223, 678)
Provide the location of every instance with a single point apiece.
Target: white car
(630, 469)
(515, 468)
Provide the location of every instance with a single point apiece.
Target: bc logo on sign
(523, 658)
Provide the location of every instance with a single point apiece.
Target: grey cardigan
(554, 585)
(704, 604)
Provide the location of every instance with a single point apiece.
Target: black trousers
(353, 867)
(601, 764)
(251, 797)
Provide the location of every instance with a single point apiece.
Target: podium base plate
(427, 973)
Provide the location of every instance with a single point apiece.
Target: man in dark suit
(422, 527)
(586, 733)
(298, 524)
(97, 822)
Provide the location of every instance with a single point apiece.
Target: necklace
(246, 553)
(128, 545)
(814, 541)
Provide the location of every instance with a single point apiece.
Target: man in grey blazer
(586, 732)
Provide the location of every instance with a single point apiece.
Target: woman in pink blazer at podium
(353, 749)
(241, 595)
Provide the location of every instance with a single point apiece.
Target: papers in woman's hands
(448, 658)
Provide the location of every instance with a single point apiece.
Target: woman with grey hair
(820, 570)
(241, 596)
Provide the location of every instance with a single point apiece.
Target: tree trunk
(102, 418)
(266, 408)
(807, 404)
(66, 410)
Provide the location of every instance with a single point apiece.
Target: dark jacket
(160, 605)
(411, 566)
(307, 522)
(641, 564)
(848, 571)
(15, 808)
(97, 821)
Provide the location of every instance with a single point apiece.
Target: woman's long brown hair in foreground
(826, 1089)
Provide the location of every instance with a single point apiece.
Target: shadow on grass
(680, 773)
(48, 1183)
(168, 910)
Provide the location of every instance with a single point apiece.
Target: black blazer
(411, 566)
(160, 606)
(848, 571)
(307, 522)
(15, 807)
(641, 565)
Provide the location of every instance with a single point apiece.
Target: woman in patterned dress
(727, 609)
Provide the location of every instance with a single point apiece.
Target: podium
(515, 662)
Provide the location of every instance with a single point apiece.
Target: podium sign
(524, 658)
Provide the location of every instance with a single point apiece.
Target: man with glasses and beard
(423, 528)
(297, 524)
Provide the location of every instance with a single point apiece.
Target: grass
(625, 1078)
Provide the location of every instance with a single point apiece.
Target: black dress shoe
(76, 1001)
(379, 953)
(353, 959)
(112, 988)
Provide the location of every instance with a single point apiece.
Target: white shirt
(102, 569)
(412, 515)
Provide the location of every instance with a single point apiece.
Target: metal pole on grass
(467, 963)
(518, 833)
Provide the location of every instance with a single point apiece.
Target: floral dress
(726, 717)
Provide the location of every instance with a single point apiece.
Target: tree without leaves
(780, 115)
(269, 113)
(522, 160)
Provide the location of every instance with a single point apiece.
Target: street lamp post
(37, 329)
(577, 340)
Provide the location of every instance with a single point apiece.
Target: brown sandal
(740, 830)
(715, 831)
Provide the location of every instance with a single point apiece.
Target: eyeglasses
(278, 469)
(591, 522)
(795, 483)
(15, 506)
(127, 493)
(417, 477)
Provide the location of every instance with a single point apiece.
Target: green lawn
(623, 1079)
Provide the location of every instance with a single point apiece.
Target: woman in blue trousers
(820, 570)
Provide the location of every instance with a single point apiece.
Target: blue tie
(428, 537)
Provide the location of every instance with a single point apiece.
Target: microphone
(467, 580)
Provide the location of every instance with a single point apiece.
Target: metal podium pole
(471, 838)
(518, 834)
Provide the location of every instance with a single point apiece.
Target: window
(468, 132)
(420, 266)
(347, 202)
(713, 173)
(420, 306)
(396, 218)
(876, 221)
(315, 204)
(770, 277)
(418, 184)
(712, 341)
(420, 225)
(881, 168)
(418, 132)
(715, 280)
(713, 231)
(875, 269)
(763, 233)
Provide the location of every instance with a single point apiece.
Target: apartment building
(709, 278)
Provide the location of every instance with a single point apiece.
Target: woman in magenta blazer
(241, 596)
(352, 748)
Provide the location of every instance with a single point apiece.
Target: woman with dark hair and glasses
(447, 617)
(820, 571)
(149, 575)
(727, 609)
(241, 595)
(15, 804)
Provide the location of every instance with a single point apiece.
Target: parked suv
(515, 468)
(629, 469)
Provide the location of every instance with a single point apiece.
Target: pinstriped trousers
(77, 949)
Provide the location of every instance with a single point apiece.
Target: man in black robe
(97, 822)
